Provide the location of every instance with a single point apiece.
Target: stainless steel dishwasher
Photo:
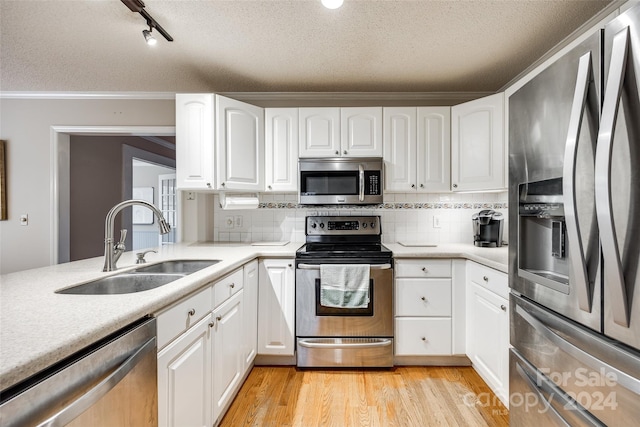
(111, 383)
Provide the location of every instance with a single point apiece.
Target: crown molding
(86, 95)
(269, 99)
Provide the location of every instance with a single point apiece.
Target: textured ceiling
(280, 46)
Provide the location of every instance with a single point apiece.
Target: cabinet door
(434, 149)
(399, 148)
(488, 337)
(239, 145)
(477, 144)
(276, 310)
(319, 132)
(281, 149)
(184, 379)
(250, 309)
(227, 352)
(361, 131)
(194, 141)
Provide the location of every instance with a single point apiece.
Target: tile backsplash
(405, 217)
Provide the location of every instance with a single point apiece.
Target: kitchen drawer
(181, 316)
(493, 280)
(423, 336)
(423, 297)
(225, 288)
(423, 268)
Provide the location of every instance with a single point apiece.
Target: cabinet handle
(425, 269)
(421, 185)
(503, 307)
(191, 312)
(219, 318)
(455, 185)
(424, 339)
(423, 299)
(413, 186)
(233, 285)
(269, 187)
(212, 324)
(209, 184)
(344, 152)
(222, 184)
(485, 278)
(289, 265)
(337, 152)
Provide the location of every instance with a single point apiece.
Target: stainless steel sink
(183, 266)
(140, 279)
(124, 283)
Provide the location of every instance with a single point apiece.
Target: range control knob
(314, 225)
(322, 225)
(373, 225)
(364, 225)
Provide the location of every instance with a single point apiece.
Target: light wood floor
(402, 396)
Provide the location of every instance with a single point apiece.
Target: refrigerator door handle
(576, 249)
(613, 274)
(541, 384)
(622, 378)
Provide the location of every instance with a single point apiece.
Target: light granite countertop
(39, 327)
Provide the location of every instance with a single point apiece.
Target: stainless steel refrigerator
(574, 195)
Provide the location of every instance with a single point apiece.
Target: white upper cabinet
(319, 132)
(417, 149)
(477, 148)
(281, 149)
(239, 145)
(194, 140)
(361, 131)
(335, 132)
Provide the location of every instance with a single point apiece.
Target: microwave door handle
(576, 251)
(613, 276)
(361, 175)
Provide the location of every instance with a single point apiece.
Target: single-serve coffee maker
(487, 228)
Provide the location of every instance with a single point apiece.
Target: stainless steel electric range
(344, 336)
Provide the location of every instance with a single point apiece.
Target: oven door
(329, 336)
(340, 181)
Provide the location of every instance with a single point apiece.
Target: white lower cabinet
(184, 379)
(488, 326)
(207, 342)
(276, 312)
(227, 350)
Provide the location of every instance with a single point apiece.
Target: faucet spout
(113, 251)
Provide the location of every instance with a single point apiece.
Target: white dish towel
(344, 285)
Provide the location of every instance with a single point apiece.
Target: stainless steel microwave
(340, 181)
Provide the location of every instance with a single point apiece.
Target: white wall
(405, 217)
(26, 126)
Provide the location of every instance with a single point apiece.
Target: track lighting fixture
(138, 7)
(148, 37)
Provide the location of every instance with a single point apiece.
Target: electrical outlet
(436, 221)
(228, 222)
(238, 221)
(191, 195)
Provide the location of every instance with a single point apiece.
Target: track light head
(148, 37)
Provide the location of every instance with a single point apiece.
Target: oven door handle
(333, 345)
(317, 266)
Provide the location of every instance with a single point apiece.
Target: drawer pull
(191, 312)
(423, 299)
(503, 307)
(212, 324)
(233, 285)
(424, 339)
(219, 318)
(425, 269)
(485, 278)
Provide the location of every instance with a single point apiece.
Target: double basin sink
(140, 279)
